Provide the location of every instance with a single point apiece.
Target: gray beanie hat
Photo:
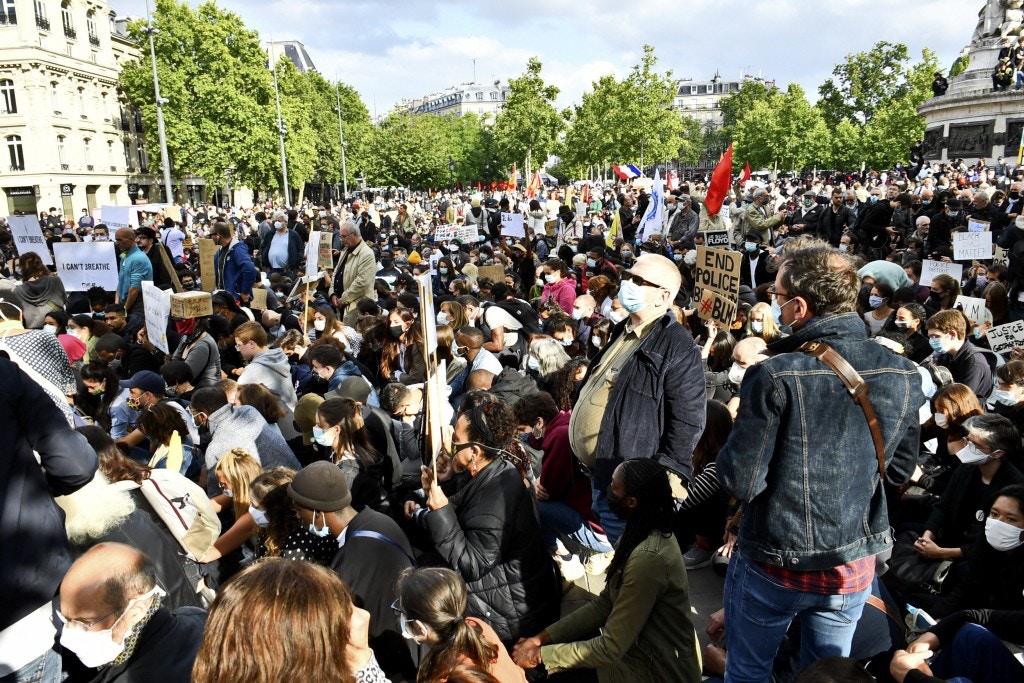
(320, 486)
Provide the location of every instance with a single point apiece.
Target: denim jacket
(800, 454)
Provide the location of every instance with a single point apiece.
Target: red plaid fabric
(842, 580)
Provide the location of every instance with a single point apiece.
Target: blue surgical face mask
(323, 532)
(936, 345)
(1004, 397)
(776, 311)
(631, 296)
(757, 326)
(875, 302)
(533, 363)
(750, 246)
(320, 436)
(978, 333)
(259, 516)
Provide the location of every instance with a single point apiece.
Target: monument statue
(998, 19)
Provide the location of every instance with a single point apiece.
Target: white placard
(82, 265)
(467, 233)
(28, 236)
(930, 269)
(972, 307)
(443, 233)
(968, 246)
(157, 304)
(974, 225)
(115, 217)
(512, 225)
(313, 252)
(1000, 257)
(1005, 337)
(427, 315)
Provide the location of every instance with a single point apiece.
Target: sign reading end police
(717, 290)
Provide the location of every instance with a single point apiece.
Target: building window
(16, 152)
(41, 20)
(128, 165)
(110, 155)
(67, 20)
(55, 98)
(479, 95)
(81, 102)
(61, 156)
(8, 101)
(90, 25)
(143, 160)
(87, 147)
(8, 13)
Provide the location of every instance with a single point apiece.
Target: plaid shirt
(842, 580)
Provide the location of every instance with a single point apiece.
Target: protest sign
(968, 246)
(467, 233)
(443, 233)
(716, 239)
(492, 273)
(81, 265)
(259, 299)
(28, 236)
(327, 250)
(313, 251)
(974, 225)
(717, 286)
(973, 308)
(512, 225)
(930, 269)
(207, 264)
(115, 217)
(157, 304)
(1005, 337)
(1000, 257)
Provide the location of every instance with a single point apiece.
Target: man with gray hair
(806, 547)
(282, 250)
(354, 274)
(759, 217)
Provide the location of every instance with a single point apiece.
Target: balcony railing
(113, 169)
(64, 167)
(10, 18)
(70, 32)
(43, 23)
(88, 167)
(17, 168)
(94, 40)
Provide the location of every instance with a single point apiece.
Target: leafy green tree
(782, 132)
(735, 106)
(643, 123)
(527, 127)
(864, 82)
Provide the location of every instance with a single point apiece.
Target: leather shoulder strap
(858, 389)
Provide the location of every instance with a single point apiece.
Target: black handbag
(915, 573)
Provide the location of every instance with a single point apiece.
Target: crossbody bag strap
(857, 388)
(369, 533)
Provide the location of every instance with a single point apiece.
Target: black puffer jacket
(489, 532)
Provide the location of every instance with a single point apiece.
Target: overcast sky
(402, 49)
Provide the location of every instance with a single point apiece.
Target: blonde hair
(769, 329)
(239, 469)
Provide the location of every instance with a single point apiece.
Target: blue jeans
(44, 669)
(977, 655)
(561, 519)
(610, 522)
(758, 612)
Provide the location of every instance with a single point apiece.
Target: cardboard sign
(717, 287)
(259, 299)
(326, 250)
(1006, 337)
(931, 269)
(115, 217)
(973, 308)
(969, 246)
(716, 239)
(492, 273)
(81, 266)
(1000, 257)
(28, 236)
(157, 304)
(512, 225)
(974, 225)
(191, 305)
(427, 314)
(313, 251)
(208, 264)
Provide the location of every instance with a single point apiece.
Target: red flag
(719, 185)
(512, 179)
(534, 186)
(746, 174)
(585, 195)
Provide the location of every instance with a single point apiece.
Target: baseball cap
(147, 380)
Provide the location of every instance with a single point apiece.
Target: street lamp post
(451, 173)
(341, 136)
(281, 130)
(164, 158)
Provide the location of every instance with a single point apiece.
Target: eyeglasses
(637, 280)
(395, 606)
(775, 294)
(82, 624)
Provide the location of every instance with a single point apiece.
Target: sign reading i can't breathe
(28, 236)
(83, 265)
(717, 288)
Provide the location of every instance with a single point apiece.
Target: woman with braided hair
(432, 608)
(489, 530)
(643, 613)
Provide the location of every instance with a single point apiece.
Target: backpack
(523, 313)
(183, 507)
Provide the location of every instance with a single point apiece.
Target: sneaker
(697, 558)
(570, 566)
(598, 563)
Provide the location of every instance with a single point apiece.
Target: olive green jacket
(644, 620)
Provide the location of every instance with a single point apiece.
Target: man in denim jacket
(801, 458)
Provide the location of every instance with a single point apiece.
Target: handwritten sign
(717, 286)
(208, 264)
(512, 225)
(115, 217)
(974, 225)
(313, 251)
(326, 250)
(1005, 337)
(259, 299)
(157, 304)
(81, 266)
(968, 246)
(492, 273)
(443, 233)
(973, 308)
(28, 236)
(1001, 257)
(467, 233)
(931, 269)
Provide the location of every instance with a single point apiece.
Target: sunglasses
(639, 281)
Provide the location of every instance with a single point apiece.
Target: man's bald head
(748, 351)
(125, 234)
(479, 379)
(104, 580)
(585, 304)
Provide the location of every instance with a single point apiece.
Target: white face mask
(595, 341)
(1002, 536)
(618, 316)
(972, 455)
(941, 421)
(52, 329)
(736, 374)
(259, 516)
(533, 363)
(442, 318)
(323, 532)
(319, 325)
(97, 648)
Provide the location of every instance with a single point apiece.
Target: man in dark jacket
(807, 547)
(835, 219)
(235, 270)
(38, 554)
(873, 220)
(372, 553)
(153, 249)
(805, 218)
(967, 365)
(644, 395)
(754, 264)
(113, 586)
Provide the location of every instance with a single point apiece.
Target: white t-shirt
(496, 317)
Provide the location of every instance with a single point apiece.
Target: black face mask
(396, 332)
(1015, 195)
(616, 506)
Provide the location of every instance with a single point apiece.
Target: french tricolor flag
(626, 172)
